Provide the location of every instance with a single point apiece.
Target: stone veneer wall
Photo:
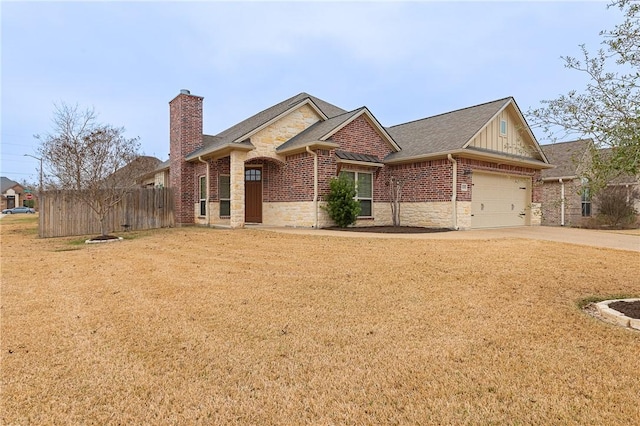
(271, 137)
(237, 189)
(292, 214)
(535, 216)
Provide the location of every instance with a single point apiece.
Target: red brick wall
(218, 167)
(423, 181)
(185, 135)
(431, 180)
(361, 137)
(552, 203)
(293, 181)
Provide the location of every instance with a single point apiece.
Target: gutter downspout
(561, 201)
(206, 203)
(315, 186)
(454, 192)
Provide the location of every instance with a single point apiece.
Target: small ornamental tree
(342, 206)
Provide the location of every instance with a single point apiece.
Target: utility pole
(40, 188)
(40, 159)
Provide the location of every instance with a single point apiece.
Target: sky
(404, 60)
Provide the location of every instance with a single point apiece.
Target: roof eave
(506, 159)
(494, 158)
(221, 151)
(558, 178)
(311, 145)
(423, 157)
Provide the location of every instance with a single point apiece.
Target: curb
(618, 317)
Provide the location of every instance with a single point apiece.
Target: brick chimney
(185, 136)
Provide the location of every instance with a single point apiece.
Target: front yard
(204, 326)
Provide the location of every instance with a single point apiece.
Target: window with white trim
(364, 191)
(585, 198)
(203, 196)
(224, 189)
(503, 127)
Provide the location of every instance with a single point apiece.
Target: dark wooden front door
(253, 195)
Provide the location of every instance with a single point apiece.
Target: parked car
(18, 210)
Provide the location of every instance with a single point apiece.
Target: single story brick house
(566, 199)
(471, 168)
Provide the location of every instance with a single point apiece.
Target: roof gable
(323, 130)
(517, 140)
(253, 124)
(458, 131)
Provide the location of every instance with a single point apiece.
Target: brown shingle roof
(252, 123)
(444, 132)
(566, 156)
(7, 183)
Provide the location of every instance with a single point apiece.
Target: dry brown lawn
(204, 326)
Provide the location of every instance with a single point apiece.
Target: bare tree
(93, 160)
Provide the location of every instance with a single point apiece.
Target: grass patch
(77, 241)
(582, 303)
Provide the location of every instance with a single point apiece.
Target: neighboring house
(566, 199)
(470, 168)
(13, 194)
(134, 173)
(158, 177)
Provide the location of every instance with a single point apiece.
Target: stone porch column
(237, 188)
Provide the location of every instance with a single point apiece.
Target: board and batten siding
(515, 142)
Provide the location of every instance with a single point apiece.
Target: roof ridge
(348, 112)
(566, 142)
(451, 112)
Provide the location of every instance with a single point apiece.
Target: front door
(253, 195)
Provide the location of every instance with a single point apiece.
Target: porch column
(237, 188)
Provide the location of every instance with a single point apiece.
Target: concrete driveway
(585, 237)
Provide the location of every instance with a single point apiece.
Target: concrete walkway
(585, 237)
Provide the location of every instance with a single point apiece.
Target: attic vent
(185, 92)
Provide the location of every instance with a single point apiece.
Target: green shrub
(342, 207)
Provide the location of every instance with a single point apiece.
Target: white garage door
(499, 200)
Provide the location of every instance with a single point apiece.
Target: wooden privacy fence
(61, 214)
